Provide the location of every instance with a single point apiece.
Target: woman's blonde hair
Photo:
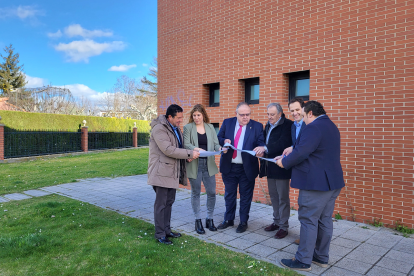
(200, 108)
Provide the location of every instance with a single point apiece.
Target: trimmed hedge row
(16, 120)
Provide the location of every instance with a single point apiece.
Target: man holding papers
(317, 173)
(277, 136)
(239, 169)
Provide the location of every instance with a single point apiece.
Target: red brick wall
(361, 60)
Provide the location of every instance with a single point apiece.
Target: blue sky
(84, 45)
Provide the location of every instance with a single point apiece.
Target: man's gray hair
(241, 104)
(277, 105)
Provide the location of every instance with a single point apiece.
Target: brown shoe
(281, 234)
(297, 241)
(271, 227)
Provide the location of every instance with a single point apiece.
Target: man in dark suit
(277, 135)
(239, 169)
(317, 173)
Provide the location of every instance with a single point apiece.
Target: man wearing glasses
(240, 169)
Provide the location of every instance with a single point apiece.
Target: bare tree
(126, 100)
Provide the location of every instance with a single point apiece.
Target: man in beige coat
(166, 168)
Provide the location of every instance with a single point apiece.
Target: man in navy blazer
(317, 173)
(239, 169)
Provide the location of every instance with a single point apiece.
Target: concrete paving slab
(380, 271)
(339, 250)
(337, 271)
(395, 265)
(358, 234)
(353, 265)
(401, 256)
(345, 242)
(2, 199)
(36, 193)
(261, 250)
(16, 196)
(222, 238)
(405, 245)
(256, 238)
(275, 243)
(372, 249)
(240, 243)
(362, 256)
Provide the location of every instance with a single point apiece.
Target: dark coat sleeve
(309, 141)
(277, 144)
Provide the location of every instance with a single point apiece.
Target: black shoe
(199, 227)
(164, 240)
(210, 225)
(242, 227)
(225, 224)
(174, 235)
(295, 265)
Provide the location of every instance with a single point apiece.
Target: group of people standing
(306, 152)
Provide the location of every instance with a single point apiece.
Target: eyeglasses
(244, 115)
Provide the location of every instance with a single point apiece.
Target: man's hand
(196, 154)
(259, 150)
(260, 154)
(227, 141)
(278, 157)
(189, 160)
(279, 163)
(198, 149)
(287, 151)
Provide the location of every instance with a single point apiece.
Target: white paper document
(268, 159)
(227, 145)
(204, 153)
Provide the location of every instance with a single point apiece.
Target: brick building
(356, 57)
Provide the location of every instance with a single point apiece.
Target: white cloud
(122, 67)
(55, 35)
(81, 90)
(77, 30)
(34, 82)
(22, 12)
(82, 50)
(144, 64)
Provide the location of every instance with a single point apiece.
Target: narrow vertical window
(252, 90)
(214, 89)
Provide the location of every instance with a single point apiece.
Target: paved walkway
(356, 249)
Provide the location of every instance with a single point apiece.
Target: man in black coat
(277, 135)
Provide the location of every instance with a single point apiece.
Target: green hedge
(42, 121)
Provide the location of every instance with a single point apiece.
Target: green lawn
(18, 177)
(54, 235)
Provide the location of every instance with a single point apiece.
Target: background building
(356, 57)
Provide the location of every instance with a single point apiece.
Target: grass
(403, 229)
(18, 177)
(55, 235)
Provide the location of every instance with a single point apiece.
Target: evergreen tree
(11, 74)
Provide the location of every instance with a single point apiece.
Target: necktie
(236, 141)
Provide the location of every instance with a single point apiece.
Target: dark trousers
(164, 200)
(237, 178)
